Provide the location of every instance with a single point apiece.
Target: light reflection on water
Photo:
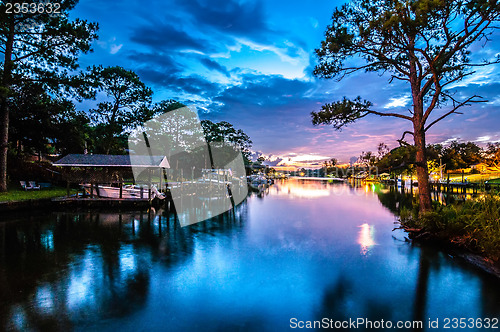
(301, 249)
(366, 238)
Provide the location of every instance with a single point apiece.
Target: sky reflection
(276, 256)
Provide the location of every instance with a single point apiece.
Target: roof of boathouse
(106, 160)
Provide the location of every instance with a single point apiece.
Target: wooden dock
(463, 187)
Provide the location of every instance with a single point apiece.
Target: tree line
(452, 157)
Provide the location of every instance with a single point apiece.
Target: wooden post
(92, 190)
(149, 180)
(160, 186)
(67, 188)
(121, 189)
(448, 184)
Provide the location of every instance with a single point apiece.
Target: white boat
(128, 192)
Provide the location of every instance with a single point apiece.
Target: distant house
(481, 167)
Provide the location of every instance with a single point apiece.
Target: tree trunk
(4, 105)
(424, 189)
(4, 140)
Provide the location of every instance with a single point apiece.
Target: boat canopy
(105, 160)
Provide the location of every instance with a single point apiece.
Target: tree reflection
(65, 269)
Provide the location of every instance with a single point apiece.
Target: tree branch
(455, 108)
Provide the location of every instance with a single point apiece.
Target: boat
(257, 182)
(127, 192)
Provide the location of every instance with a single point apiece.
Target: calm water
(303, 249)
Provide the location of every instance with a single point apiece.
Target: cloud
(164, 36)
(228, 16)
(115, 48)
(299, 56)
(211, 64)
(398, 102)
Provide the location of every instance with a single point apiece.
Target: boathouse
(114, 170)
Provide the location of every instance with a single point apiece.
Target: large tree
(425, 43)
(126, 104)
(36, 46)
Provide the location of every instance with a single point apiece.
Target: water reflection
(300, 249)
(63, 270)
(366, 238)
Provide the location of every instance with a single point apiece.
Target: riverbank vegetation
(473, 224)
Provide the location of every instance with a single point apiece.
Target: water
(303, 249)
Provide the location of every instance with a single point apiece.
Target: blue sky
(250, 63)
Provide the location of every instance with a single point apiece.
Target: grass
(474, 224)
(16, 194)
(494, 181)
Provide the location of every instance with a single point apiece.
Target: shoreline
(455, 249)
(63, 202)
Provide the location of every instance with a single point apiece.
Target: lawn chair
(34, 186)
(25, 186)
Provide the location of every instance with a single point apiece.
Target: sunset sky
(250, 63)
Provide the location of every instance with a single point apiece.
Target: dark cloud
(158, 61)
(164, 36)
(228, 16)
(214, 65)
(266, 90)
(193, 84)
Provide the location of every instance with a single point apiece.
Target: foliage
(127, 105)
(474, 223)
(398, 160)
(42, 123)
(224, 132)
(492, 155)
(461, 155)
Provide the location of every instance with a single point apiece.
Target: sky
(250, 63)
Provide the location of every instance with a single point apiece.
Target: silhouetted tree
(36, 47)
(127, 105)
(424, 43)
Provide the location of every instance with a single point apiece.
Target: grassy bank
(474, 225)
(21, 195)
(479, 178)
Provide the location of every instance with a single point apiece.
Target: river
(299, 252)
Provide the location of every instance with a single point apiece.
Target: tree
(40, 122)
(424, 43)
(493, 155)
(399, 160)
(36, 47)
(224, 132)
(127, 105)
(367, 158)
(461, 155)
